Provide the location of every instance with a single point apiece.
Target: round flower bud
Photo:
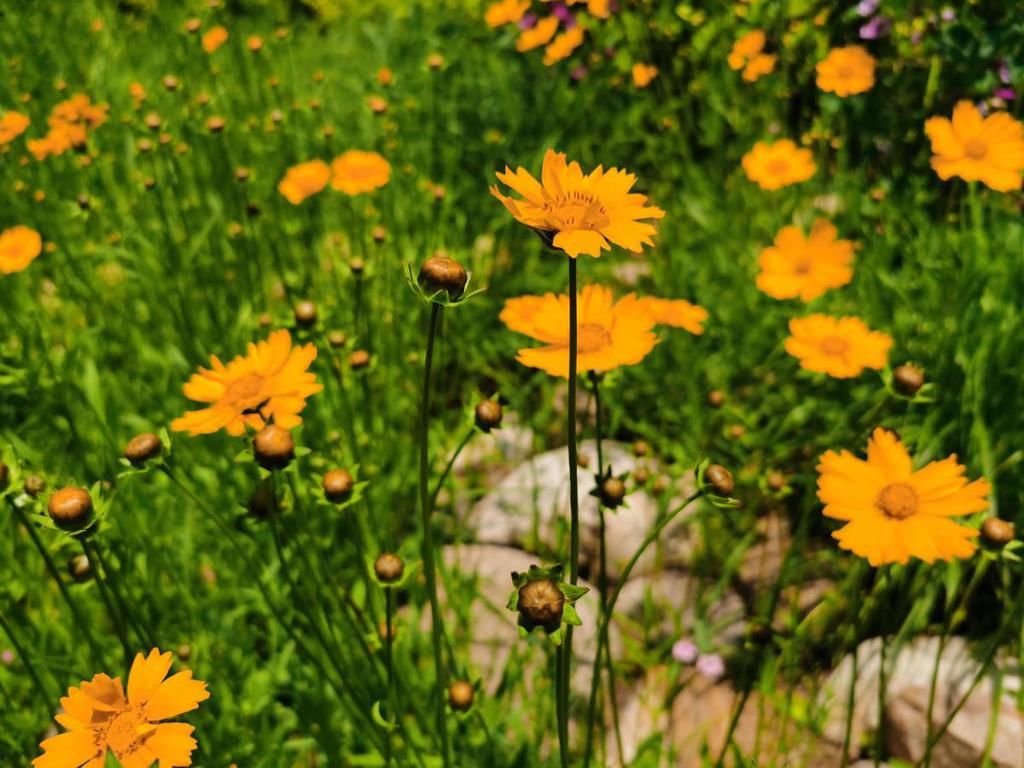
(358, 266)
(716, 398)
(907, 379)
(80, 568)
(34, 485)
(440, 273)
(359, 359)
(70, 507)
(379, 234)
(460, 696)
(641, 475)
(612, 492)
(736, 431)
(388, 567)
(305, 313)
(84, 202)
(997, 532)
(170, 82)
(776, 481)
(184, 652)
(720, 480)
(193, 25)
(336, 339)
(215, 124)
(338, 485)
(143, 447)
(660, 484)
(541, 602)
(641, 448)
(488, 415)
(273, 447)
(242, 174)
(583, 460)
(5, 475)
(153, 121)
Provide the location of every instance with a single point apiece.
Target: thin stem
(448, 468)
(561, 714)
(429, 566)
(44, 694)
(389, 607)
(100, 578)
(114, 582)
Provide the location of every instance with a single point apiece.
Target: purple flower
(711, 666)
(1006, 94)
(1005, 75)
(868, 7)
(877, 27)
(685, 651)
(529, 21)
(578, 73)
(7, 657)
(561, 10)
(948, 14)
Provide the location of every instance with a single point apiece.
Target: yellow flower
(385, 76)
(12, 125)
(99, 717)
(254, 43)
(847, 71)
(643, 74)
(214, 39)
(579, 213)
(758, 66)
(893, 513)
(303, 180)
(537, 35)
(675, 313)
(601, 9)
(778, 165)
(989, 150)
(841, 347)
(356, 172)
(19, 246)
(563, 45)
(137, 92)
(805, 267)
(269, 383)
(506, 12)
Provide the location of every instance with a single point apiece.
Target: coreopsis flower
(748, 55)
(644, 74)
(19, 246)
(779, 164)
(138, 93)
(214, 38)
(270, 383)
(537, 35)
(891, 511)
(254, 43)
(78, 110)
(846, 71)
(100, 718)
(304, 180)
(563, 45)
(12, 125)
(356, 172)
(580, 213)
(976, 148)
(506, 12)
(600, 9)
(841, 347)
(675, 313)
(385, 76)
(805, 267)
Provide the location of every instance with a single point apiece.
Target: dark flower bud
(359, 359)
(379, 234)
(488, 415)
(541, 602)
(215, 124)
(660, 484)
(143, 447)
(641, 475)
(358, 266)
(70, 507)
(305, 313)
(80, 568)
(336, 339)
(262, 503)
(641, 448)
(83, 202)
(273, 447)
(997, 532)
(907, 379)
(612, 492)
(460, 696)
(34, 485)
(338, 485)
(720, 480)
(388, 567)
(440, 273)
(716, 398)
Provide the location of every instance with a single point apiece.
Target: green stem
(448, 468)
(389, 607)
(44, 694)
(429, 566)
(114, 582)
(100, 578)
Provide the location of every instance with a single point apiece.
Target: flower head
(356, 172)
(12, 125)
(893, 513)
(99, 717)
(975, 148)
(778, 165)
(675, 313)
(805, 267)
(685, 651)
(580, 213)
(644, 74)
(846, 71)
(536, 35)
(506, 12)
(19, 246)
(214, 39)
(270, 383)
(747, 54)
(712, 666)
(841, 347)
(304, 180)
(563, 45)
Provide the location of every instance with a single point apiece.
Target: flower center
(845, 72)
(778, 167)
(833, 345)
(577, 210)
(975, 149)
(897, 501)
(802, 265)
(245, 391)
(592, 338)
(128, 732)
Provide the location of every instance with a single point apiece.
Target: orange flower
(747, 55)
(760, 65)
(385, 76)
(78, 110)
(506, 12)
(214, 39)
(847, 71)
(539, 34)
(893, 513)
(644, 74)
(675, 313)
(805, 267)
(356, 172)
(254, 43)
(989, 150)
(601, 9)
(12, 125)
(137, 92)
(778, 165)
(563, 45)
(269, 383)
(304, 180)
(19, 246)
(841, 347)
(99, 717)
(579, 213)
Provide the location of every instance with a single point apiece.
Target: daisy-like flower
(644, 74)
(675, 313)
(747, 54)
(841, 347)
(805, 267)
(506, 12)
(537, 35)
(12, 125)
(778, 165)
(304, 180)
(214, 39)
(270, 382)
(579, 213)
(846, 71)
(356, 172)
(894, 513)
(100, 717)
(975, 148)
(19, 247)
(563, 45)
